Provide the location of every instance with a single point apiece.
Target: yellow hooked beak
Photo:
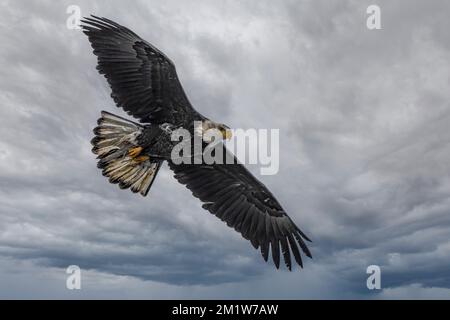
(226, 133)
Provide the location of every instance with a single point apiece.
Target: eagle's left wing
(234, 195)
(143, 80)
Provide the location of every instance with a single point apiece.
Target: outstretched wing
(234, 195)
(143, 80)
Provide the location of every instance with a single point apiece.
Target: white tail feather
(114, 136)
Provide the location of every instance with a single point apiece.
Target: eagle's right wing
(234, 195)
(143, 80)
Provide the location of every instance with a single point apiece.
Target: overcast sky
(364, 147)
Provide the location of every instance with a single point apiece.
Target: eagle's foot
(135, 152)
(141, 159)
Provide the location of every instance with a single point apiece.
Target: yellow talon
(141, 159)
(134, 152)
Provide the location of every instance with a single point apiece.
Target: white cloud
(415, 291)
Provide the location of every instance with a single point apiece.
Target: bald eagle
(145, 84)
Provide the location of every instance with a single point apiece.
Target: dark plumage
(143, 80)
(235, 196)
(145, 84)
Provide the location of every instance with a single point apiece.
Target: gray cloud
(364, 150)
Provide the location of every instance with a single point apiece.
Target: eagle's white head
(207, 129)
